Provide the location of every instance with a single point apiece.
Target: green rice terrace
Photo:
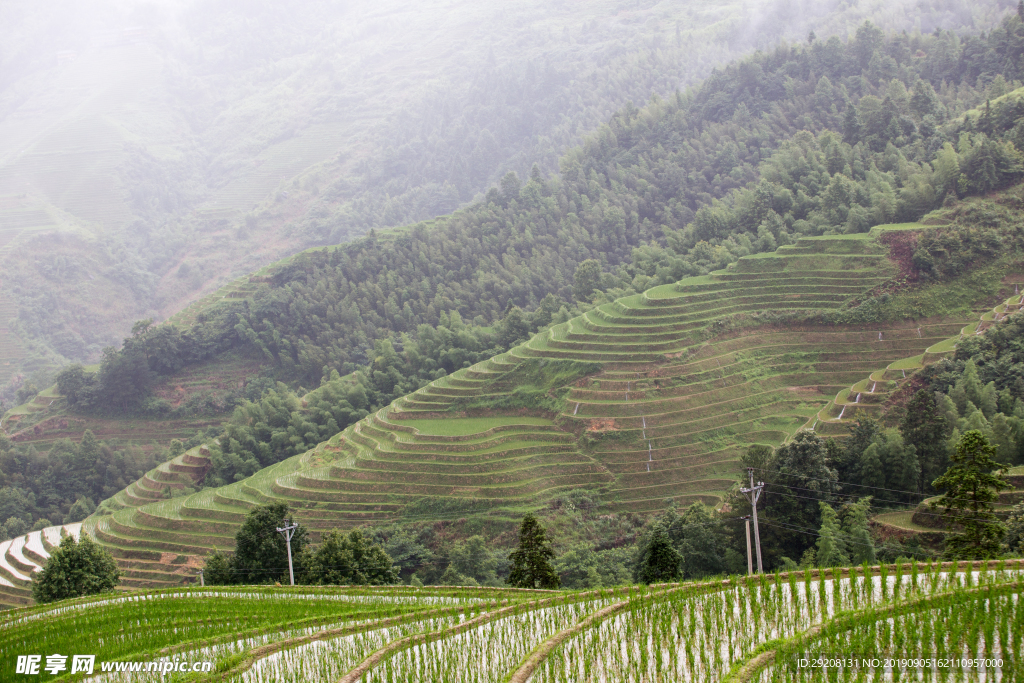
(649, 398)
(739, 629)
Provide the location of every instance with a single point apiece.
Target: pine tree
(855, 525)
(1002, 437)
(657, 561)
(971, 485)
(531, 561)
(927, 429)
(851, 126)
(831, 544)
(989, 400)
(871, 472)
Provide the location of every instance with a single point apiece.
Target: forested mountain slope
(643, 400)
(680, 235)
(823, 138)
(149, 153)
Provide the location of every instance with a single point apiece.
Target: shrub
(75, 568)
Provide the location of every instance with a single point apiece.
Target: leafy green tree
(799, 476)
(76, 385)
(656, 560)
(514, 327)
(970, 486)
(586, 280)
(452, 577)
(218, 570)
(473, 558)
(75, 568)
(80, 509)
(15, 526)
(926, 429)
(531, 560)
(261, 555)
(698, 538)
(848, 463)
(577, 567)
(26, 392)
(889, 463)
(351, 560)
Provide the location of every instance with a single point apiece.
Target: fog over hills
(151, 151)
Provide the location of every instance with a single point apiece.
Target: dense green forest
(813, 138)
(265, 138)
(822, 137)
(65, 483)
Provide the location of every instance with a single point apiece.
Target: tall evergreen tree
(927, 430)
(860, 545)
(531, 560)
(831, 542)
(656, 560)
(971, 484)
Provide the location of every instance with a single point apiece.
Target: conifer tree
(657, 561)
(971, 485)
(855, 525)
(531, 560)
(927, 429)
(831, 544)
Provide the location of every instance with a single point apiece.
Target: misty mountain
(151, 151)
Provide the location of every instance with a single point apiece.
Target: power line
(874, 507)
(849, 483)
(806, 531)
(847, 495)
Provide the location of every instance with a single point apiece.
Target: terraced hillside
(648, 398)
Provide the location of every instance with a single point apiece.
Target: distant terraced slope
(665, 391)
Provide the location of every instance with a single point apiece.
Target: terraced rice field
(19, 217)
(681, 380)
(742, 628)
(232, 293)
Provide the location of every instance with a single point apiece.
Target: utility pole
(753, 494)
(288, 530)
(750, 554)
(203, 583)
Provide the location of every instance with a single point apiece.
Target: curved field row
(702, 630)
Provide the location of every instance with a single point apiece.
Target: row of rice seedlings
(685, 636)
(319, 660)
(965, 636)
(486, 653)
(327, 660)
(116, 629)
(438, 595)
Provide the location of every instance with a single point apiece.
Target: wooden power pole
(750, 553)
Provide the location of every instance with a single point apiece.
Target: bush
(75, 568)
